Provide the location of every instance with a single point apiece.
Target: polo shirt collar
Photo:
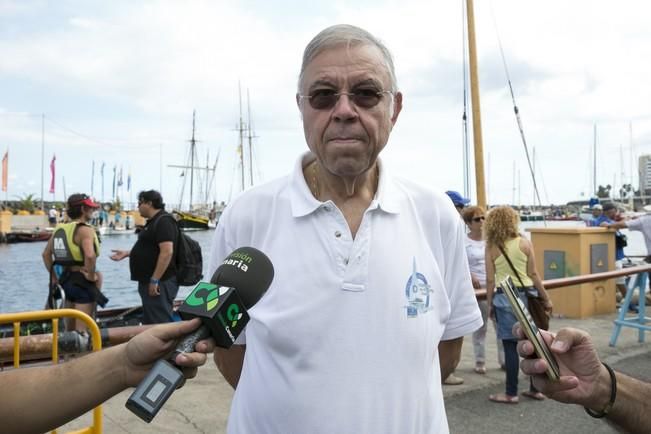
(303, 203)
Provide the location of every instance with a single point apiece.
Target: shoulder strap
(511, 265)
(164, 215)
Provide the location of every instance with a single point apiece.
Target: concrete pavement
(202, 405)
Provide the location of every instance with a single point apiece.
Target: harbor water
(24, 280)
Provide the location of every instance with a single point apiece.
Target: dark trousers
(158, 309)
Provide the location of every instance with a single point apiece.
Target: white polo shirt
(345, 339)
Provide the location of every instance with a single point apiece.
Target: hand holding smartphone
(529, 328)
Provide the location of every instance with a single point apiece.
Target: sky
(116, 83)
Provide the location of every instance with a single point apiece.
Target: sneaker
(633, 308)
(453, 380)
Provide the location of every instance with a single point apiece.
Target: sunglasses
(478, 219)
(325, 99)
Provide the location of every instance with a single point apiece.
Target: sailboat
(195, 218)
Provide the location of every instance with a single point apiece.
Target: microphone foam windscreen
(249, 271)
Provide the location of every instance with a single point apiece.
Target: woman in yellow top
(501, 231)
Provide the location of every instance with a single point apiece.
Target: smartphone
(529, 327)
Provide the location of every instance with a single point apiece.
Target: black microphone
(222, 304)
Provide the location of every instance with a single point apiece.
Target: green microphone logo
(233, 314)
(206, 294)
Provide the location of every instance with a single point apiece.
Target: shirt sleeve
(634, 225)
(465, 316)
(166, 230)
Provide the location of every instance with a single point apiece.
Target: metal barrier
(55, 315)
(636, 283)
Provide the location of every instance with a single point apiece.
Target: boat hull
(191, 222)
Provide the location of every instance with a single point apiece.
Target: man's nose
(344, 108)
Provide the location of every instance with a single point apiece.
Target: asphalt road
(473, 413)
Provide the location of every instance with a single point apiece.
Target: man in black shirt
(151, 259)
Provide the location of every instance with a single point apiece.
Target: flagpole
(42, 157)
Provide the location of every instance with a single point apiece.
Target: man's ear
(397, 107)
(299, 103)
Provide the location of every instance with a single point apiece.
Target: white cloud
(129, 75)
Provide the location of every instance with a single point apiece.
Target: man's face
(144, 208)
(596, 212)
(611, 213)
(347, 138)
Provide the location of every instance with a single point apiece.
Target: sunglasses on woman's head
(364, 97)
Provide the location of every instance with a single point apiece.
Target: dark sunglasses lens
(323, 99)
(478, 219)
(366, 98)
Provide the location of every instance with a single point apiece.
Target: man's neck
(352, 196)
(326, 186)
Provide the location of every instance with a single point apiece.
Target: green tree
(28, 202)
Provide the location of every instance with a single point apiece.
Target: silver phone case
(529, 327)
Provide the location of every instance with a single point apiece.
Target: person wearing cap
(598, 216)
(459, 201)
(75, 246)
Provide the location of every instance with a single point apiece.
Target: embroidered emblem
(418, 294)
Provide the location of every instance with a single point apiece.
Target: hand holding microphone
(238, 283)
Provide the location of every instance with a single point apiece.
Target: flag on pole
(120, 177)
(5, 170)
(114, 169)
(52, 171)
(92, 181)
(129, 181)
(102, 173)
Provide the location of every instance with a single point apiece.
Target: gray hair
(345, 34)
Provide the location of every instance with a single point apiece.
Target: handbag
(536, 305)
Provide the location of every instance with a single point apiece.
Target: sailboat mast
(241, 131)
(533, 163)
(476, 113)
(43, 161)
(594, 160)
(192, 150)
(207, 173)
(248, 107)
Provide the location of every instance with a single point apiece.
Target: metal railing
(55, 315)
(584, 278)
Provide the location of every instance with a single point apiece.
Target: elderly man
(372, 282)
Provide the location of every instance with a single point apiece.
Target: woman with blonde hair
(509, 254)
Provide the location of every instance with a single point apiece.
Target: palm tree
(28, 202)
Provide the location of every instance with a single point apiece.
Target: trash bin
(567, 252)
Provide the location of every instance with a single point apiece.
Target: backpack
(189, 261)
(621, 241)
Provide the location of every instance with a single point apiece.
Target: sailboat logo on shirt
(418, 294)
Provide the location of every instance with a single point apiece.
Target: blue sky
(117, 82)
